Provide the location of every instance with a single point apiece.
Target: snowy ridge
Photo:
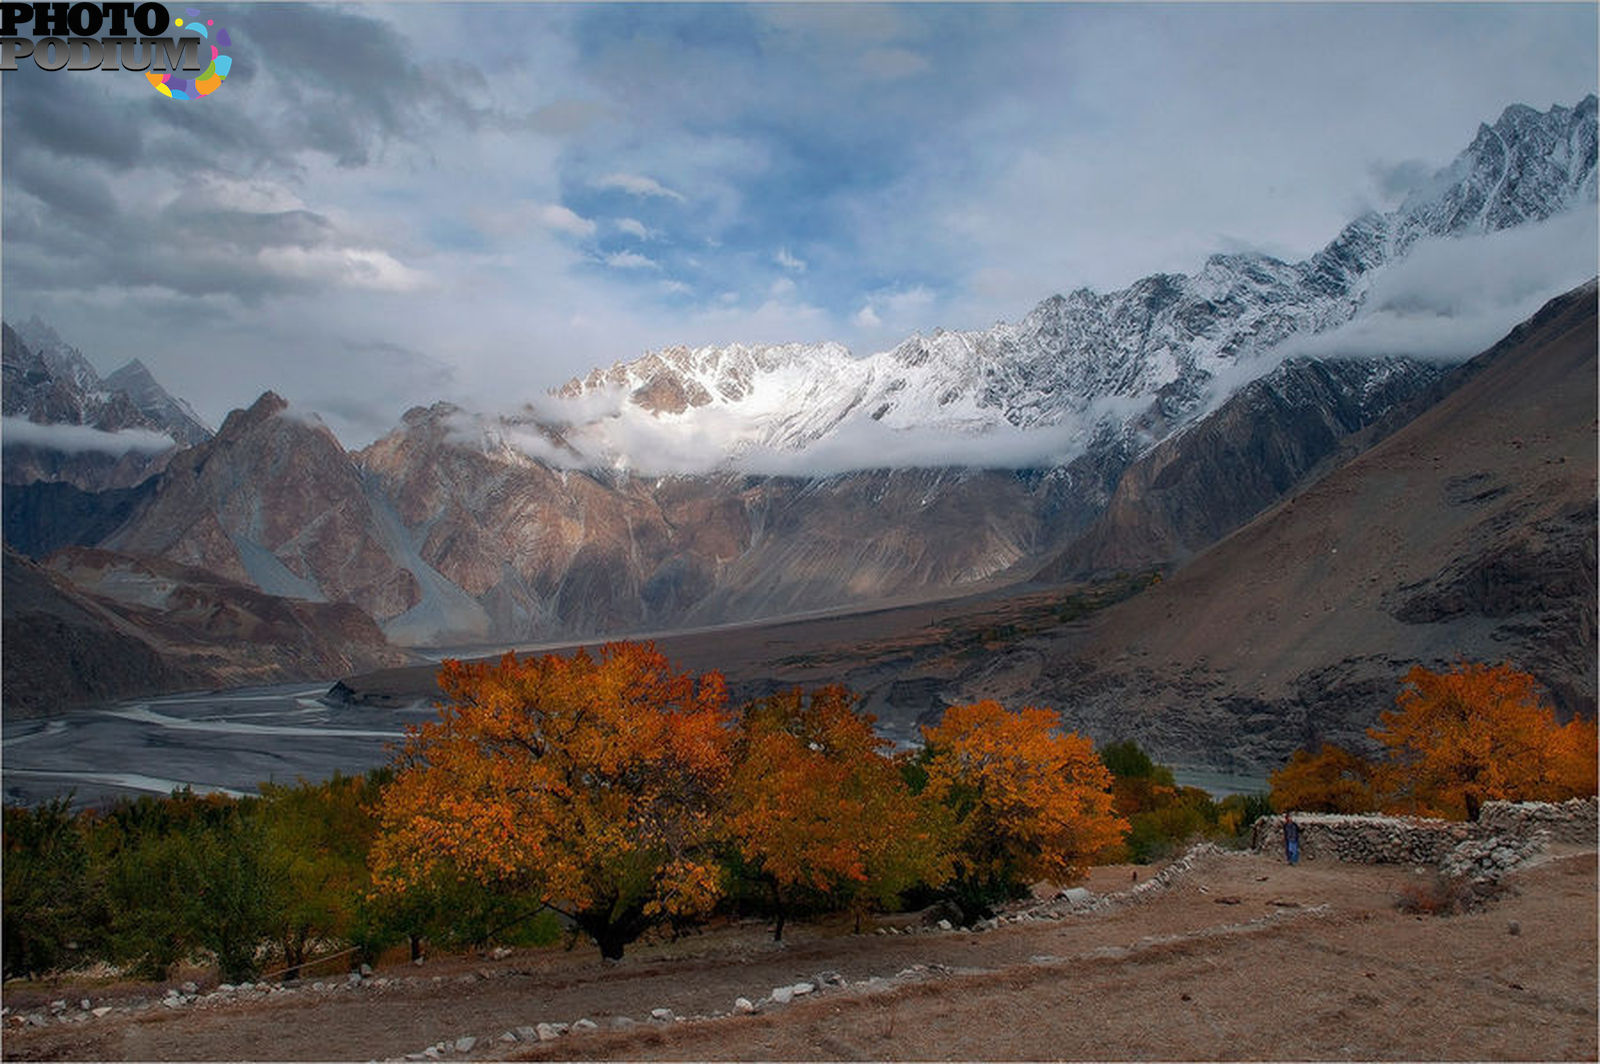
(49, 382)
(1131, 365)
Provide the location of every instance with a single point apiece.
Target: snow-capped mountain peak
(1076, 367)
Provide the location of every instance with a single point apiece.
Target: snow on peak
(1075, 369)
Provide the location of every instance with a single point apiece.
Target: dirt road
(1241, 957)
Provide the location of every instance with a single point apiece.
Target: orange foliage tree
(1027, 801)
(596, 784)
(816, 805)
(1332, 780)
(1475, 733)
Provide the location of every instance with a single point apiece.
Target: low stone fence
(1575, 821)
(1519, 827)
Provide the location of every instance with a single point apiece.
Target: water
(227, 741)
(233, 741)
(1220, 784)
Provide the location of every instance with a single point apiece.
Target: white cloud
(348, 267)
(867, 318)
(633, 227)
(563, 220)
(789, 262)
(638, 185)
(74, 439)
(631, 260)
(1450, 299)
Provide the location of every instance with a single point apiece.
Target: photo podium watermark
(183, 58)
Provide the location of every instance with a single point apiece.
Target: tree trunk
(416, 946)
(779, 911)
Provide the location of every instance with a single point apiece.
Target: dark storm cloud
(67, 116)
(79, 196)
(350, 80)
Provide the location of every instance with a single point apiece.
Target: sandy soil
(1241, 958)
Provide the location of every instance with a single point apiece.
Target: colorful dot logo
(173, 84)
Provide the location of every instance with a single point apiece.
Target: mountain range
(692, 487)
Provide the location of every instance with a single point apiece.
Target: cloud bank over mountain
(477, 202)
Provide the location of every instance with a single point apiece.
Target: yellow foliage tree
(818, 806)
(597, 784)
(1028, 801)
(1333, 780)
(1476, 733)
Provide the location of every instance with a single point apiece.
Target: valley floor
(1241, 957)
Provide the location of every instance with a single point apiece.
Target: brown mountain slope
(93, 626)
(1468, 533)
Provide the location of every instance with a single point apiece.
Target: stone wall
(1574, 821)
(1517, 827)
(1365, 839)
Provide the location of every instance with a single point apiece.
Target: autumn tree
(1027, 801)
(1332, 780)
(818, 807)
(593, 784)
(1476, 733)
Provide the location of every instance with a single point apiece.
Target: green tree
(318, 836)
(53, 908)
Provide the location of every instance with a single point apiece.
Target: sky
(388, 205)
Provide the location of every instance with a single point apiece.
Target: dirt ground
(1242, 957)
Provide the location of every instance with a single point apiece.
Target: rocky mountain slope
(1470, 532)
(92, 626)
(65, 424)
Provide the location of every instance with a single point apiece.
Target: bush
(1440, 896)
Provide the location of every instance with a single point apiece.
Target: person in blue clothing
(1291, 839)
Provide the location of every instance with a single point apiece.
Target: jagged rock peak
(269, 405)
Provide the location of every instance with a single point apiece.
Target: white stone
(802, 988)
(528, 1034)
(944, 925)
(782, 994)
(547, 1032)
(509, 1036)
(585, 1024)
(743, 1005)
(661, 1014)
(100, 1011)
(465, 1043)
